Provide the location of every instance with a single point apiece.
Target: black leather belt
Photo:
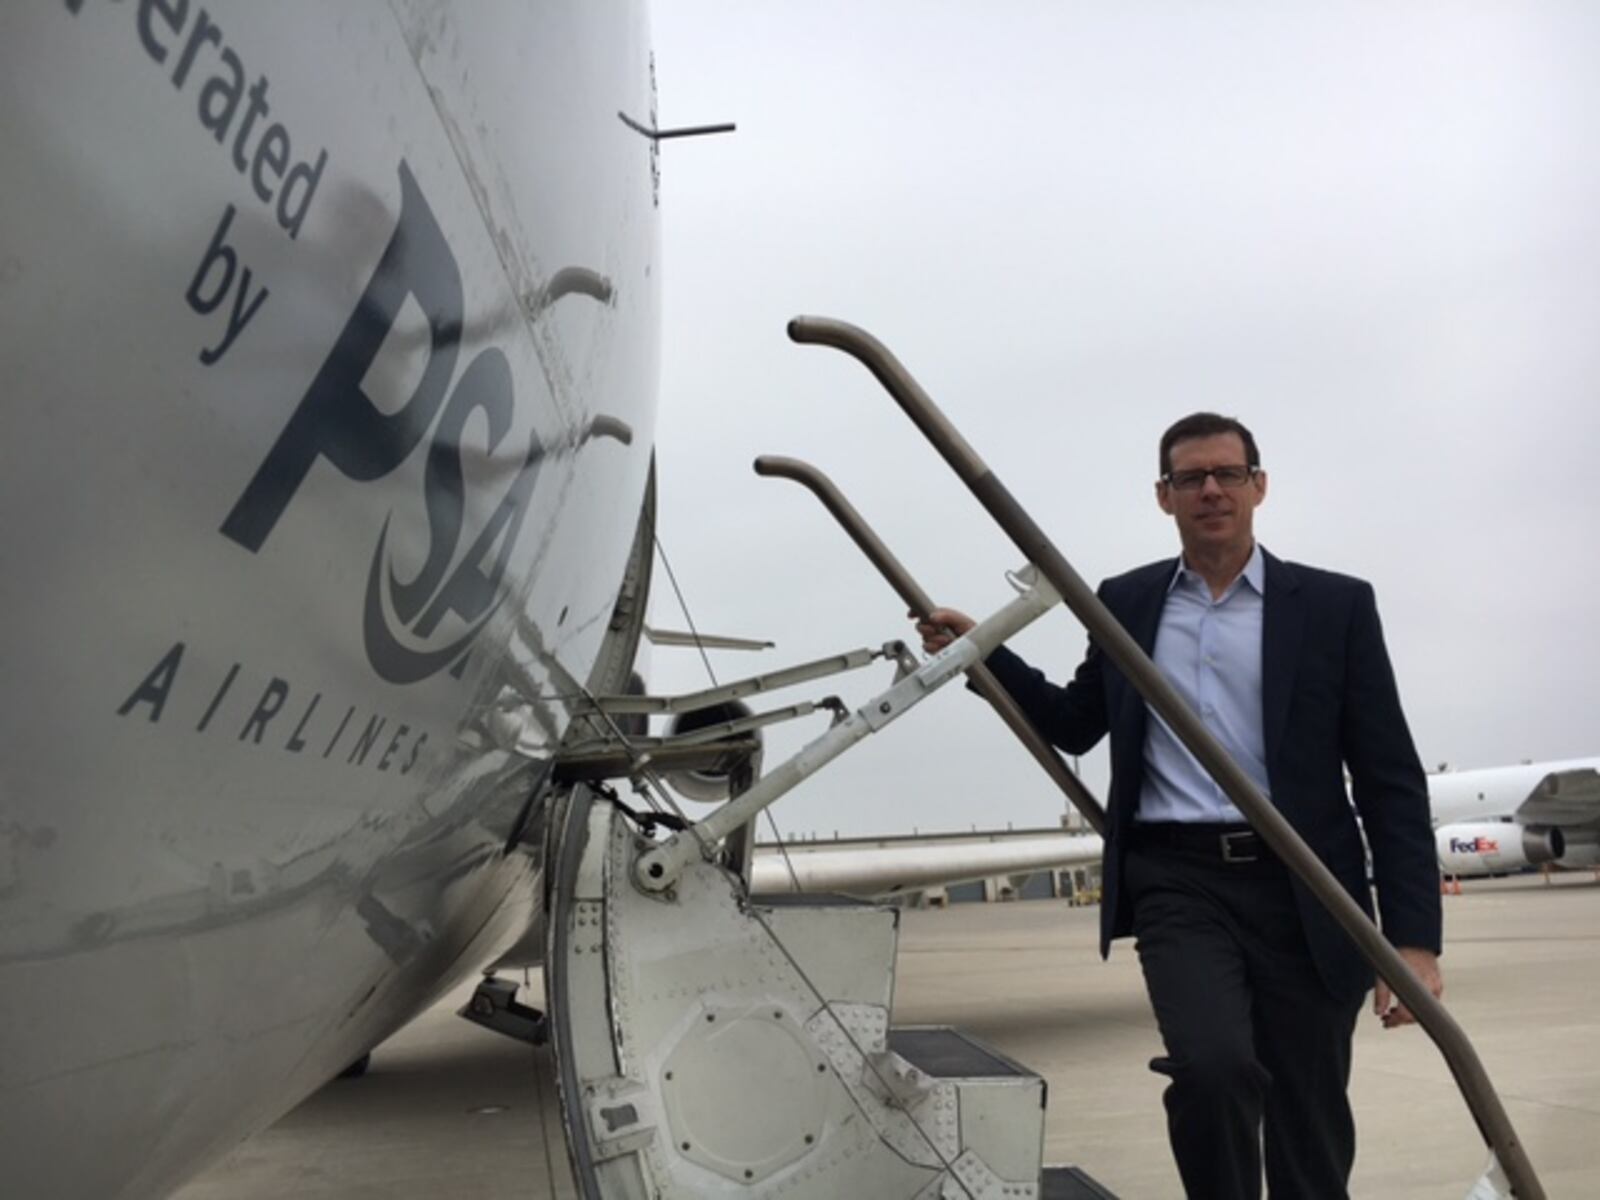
(1223, 843)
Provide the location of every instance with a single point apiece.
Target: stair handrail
(920, 603)
(1494, 1124)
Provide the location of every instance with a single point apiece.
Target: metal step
(810, 900)
(1069, 1183)
(950, 1054)
(988, 1109)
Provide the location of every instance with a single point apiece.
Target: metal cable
(894, 1100)
(694, 632)
(672, 578)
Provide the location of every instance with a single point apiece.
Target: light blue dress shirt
(1210, 650)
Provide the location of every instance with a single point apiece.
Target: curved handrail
(1493, 1122)
(907, 588)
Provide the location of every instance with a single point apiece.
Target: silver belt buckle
(1228, 853)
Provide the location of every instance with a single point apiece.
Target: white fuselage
(308, 314)
(1491, 793)
(889, 869)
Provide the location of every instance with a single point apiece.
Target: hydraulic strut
(658, 869)
(1115, 641)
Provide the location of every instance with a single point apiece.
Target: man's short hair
(1202, 425)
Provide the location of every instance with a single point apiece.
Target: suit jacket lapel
(1144, 616)
(1141, 617)
(1138, 608)
(1283, 627)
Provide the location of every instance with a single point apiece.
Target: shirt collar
(1254, 573)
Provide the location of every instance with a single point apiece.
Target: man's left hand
(1425, 963)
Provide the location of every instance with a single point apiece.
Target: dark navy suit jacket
(1329, 704)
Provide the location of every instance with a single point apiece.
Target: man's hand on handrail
(943, 626)
(1426, 964)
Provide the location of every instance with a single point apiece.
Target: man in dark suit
(1254, 986)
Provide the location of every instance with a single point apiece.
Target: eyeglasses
(1193, 481)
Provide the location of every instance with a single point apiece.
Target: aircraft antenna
(682, 131)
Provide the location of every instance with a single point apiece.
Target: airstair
(711, 1043)
(714, 1043)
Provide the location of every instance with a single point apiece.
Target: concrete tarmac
(449, 1110)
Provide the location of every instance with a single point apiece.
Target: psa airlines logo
(1477, 845)
(337, 421)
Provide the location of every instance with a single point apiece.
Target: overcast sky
(1369, 230)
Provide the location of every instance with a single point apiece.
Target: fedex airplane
(330, 337)
(1502, 819)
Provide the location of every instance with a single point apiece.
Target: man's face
(1212, 517)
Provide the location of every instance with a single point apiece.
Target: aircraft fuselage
(331, 340)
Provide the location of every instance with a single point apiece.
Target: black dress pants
(1256, 1045)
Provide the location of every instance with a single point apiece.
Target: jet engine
(1495, 847)
(1583, 847)
(713, 784)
